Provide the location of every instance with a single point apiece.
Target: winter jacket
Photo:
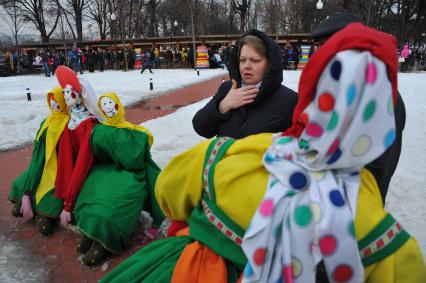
(384, 166)
(270, 112)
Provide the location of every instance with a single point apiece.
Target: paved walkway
(59, 250)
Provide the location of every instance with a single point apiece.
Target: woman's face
(252, 65)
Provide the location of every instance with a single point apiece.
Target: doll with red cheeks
(75, 157)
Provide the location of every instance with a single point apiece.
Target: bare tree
(44, 14)
(152, 9)
(74, 9)
(254, 16)
(212, 18)
(11, 16)
(97, 11)
(241, 8)
(151, 18)
(272, 15)
(403, 18)
(135, 15)
(194, 8)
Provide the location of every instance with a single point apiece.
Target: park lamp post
(194, 52)
(320, 5)
(175, 24)
(122, 36)
(112, 17)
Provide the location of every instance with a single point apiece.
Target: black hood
(274, 74)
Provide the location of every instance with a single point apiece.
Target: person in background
(46, 63)
(147, 62)
(254, 100)
(384, 166)
(101, 59)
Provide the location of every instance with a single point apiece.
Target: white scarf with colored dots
(308, 210)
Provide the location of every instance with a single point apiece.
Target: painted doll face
(108, 106)
(53, 104)
(72, 97)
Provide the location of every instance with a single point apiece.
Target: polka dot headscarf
(308, 211)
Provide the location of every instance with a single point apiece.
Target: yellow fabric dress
(240, 183)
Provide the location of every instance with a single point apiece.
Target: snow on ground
(20, 119)
(17, 265)
(407, 191)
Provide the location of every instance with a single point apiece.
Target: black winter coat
(385, 165)
(270, 112)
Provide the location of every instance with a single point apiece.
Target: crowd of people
(289, 187)
(410, 58)
(81, 60)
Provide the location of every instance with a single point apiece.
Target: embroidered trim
(387, 237)
(212, 159)
(220, 225)
(213, 155)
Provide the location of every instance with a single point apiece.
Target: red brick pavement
(59, 250)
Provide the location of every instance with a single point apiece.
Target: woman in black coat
(254, 100)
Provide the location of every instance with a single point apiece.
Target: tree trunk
(79, 25)
(43, 35)
(243, 16)
(18, 63)
(194, 50)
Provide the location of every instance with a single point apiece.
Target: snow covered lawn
(20, 119)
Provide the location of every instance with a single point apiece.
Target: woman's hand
(237, 97)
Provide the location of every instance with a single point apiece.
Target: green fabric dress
(29, 180)
(156, 262)
(117, 188)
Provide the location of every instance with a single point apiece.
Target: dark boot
(16, 210)
(95, 254)
(84, 244)
(44, 225)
